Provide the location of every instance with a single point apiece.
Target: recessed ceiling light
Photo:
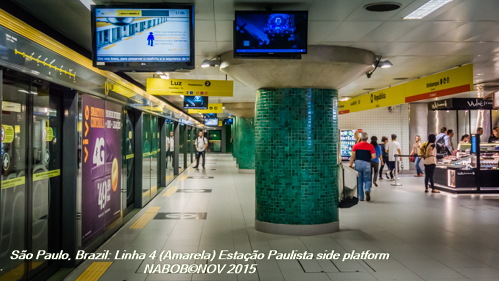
(400, 78)
(344, 98)
(382, 7)
(368, 89)
(428, 8)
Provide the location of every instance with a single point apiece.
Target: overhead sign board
(460, 104)
(186, 87)
(450, 82)
(212, 108)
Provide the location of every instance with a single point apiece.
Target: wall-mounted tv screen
(270, 33)
(211, 122)
(209, 115)
(143, 37)
(229, 121)
(195, 102)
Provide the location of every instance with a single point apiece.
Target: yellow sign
(13, 182)
(119, 89)
(17, 129)
(129, 13)
(49, 133)
(11, 106)
(46, 175)
(212, 108)
(219, 123)
(7, 134)
(130, 134)
(176, 87)
(450, 82)
(130, 156)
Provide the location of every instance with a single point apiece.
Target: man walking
(363, 152)
(392, 148)
(201, 144)
(170, 145)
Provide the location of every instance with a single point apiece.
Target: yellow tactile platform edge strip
(94, 271)
(182, 177)
(145, 218)
(170, 191)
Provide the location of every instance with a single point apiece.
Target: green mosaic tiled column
(245, 136)
(296, 135)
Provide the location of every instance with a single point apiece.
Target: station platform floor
(428, 236)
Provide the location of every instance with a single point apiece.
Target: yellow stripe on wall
(145, 218)
(94, 271)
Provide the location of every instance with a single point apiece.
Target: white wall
(380, 122)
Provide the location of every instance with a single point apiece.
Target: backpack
(440, 145)
(422, 150)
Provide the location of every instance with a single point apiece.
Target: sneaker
(375, 184)
(361, 199)
(380, 178)
(368, 196)
(204, 168)
(195, 167)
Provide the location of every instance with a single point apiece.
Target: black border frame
(150, 66)
(267, 55)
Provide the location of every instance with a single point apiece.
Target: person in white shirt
(201, 144)
(170, 145)
(392, 148)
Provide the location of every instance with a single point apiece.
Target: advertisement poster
(100, 168)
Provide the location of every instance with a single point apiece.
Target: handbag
(412, 157)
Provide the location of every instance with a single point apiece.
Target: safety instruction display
(101, 157)
(450, 82)
(7, 134)
(185, 87)
(212, 108)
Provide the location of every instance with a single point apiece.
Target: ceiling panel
(318, 30)
(391, 30)
(352, 31)
(473, 10)
(466, 31)
(327, 10)
(430, 30)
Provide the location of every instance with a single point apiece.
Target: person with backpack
(384, 156)
(429, 153)
(376, 161)
(443, 142)
(201, 144)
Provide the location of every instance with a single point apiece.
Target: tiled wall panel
(381, 122)
(296, 133)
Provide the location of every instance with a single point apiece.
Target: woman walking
(430, 163)
(415, 152)
(376, 161)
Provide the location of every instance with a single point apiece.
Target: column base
(237, 166)
(297, 230)
(234, 159)
(246, 171)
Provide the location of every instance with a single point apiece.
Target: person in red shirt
(362, 153)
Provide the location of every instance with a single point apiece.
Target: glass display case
(347, 141)
(470, 170)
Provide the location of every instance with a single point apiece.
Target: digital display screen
(270, 32)
(135, 38)
(196, 102)
(209, 115)
(211, 122)
(229, 121)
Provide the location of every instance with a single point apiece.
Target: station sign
(450, 82)
(212, 108)
(186, 87)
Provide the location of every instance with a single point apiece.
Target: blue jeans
(364, 178)
(198, 154)
(416, 162)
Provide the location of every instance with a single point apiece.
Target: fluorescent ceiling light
(223, 107)
(159, 72)
(182, 96)
(87, 3)
(163, 77)
(426, 9)
(344, 98)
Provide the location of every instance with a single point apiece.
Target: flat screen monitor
(211, 122)
(473, 143)
(195, 102)
(143, 37)
(229, 121)
(209, 115)
(270, 33)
